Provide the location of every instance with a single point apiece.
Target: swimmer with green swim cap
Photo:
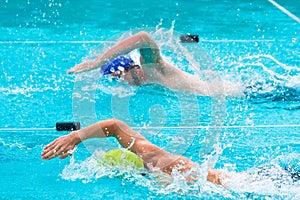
(124, 158)
(151, 68)
(141, 153)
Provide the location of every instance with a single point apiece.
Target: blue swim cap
(116, 64)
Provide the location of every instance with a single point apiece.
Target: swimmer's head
(122, 70)
(119, 64)
(123, 158)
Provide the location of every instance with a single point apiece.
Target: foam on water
(267, 80)
(93, 168)
(274, 178)
(269, 180)
(265, 69)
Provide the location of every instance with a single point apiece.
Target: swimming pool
(253, 42)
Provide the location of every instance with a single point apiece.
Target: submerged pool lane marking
(54, 42)
(101, 41)
(162, 127)
(236, 41)
(220, 127)
(284, 10)
(59, 126)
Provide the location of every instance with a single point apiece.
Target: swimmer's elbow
(109, 126)
(147, 38)
(118, 125)
(143, 34)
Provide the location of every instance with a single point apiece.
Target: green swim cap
(125, 158)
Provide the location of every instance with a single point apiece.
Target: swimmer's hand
(61, 146)
(84, 66)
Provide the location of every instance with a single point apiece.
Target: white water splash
(270, 180)
(264, 68)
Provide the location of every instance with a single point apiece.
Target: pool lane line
(285, 11)
(55, 42)
(60, 126)
(26, 129)
(220, 127)
(166, 127)
(101, 41)
(236, 41)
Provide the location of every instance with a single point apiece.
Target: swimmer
(117, 62)
(153, 157)
(147, 155)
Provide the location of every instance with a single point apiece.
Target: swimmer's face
(134, 76)
(117, 74)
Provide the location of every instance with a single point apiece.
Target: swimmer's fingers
(60, 146)
(49, 153)
(63, 156)
(66, 153)
(72, 70)
(49, 148)
(62, 151)
(51, 144)
(82, 67)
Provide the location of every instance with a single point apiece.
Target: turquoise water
(250, 42)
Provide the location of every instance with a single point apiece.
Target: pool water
(254, 43)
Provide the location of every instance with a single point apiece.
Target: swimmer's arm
(216, 176)
(127, 137)
(138, 41)
(175, 79)
(68, 142)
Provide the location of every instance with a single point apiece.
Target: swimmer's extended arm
(140, 40)
(127, 137)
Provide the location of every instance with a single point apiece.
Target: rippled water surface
(252, 43)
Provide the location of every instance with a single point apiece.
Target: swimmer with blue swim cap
(119, 64)
(151, 68)
(140, 153)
